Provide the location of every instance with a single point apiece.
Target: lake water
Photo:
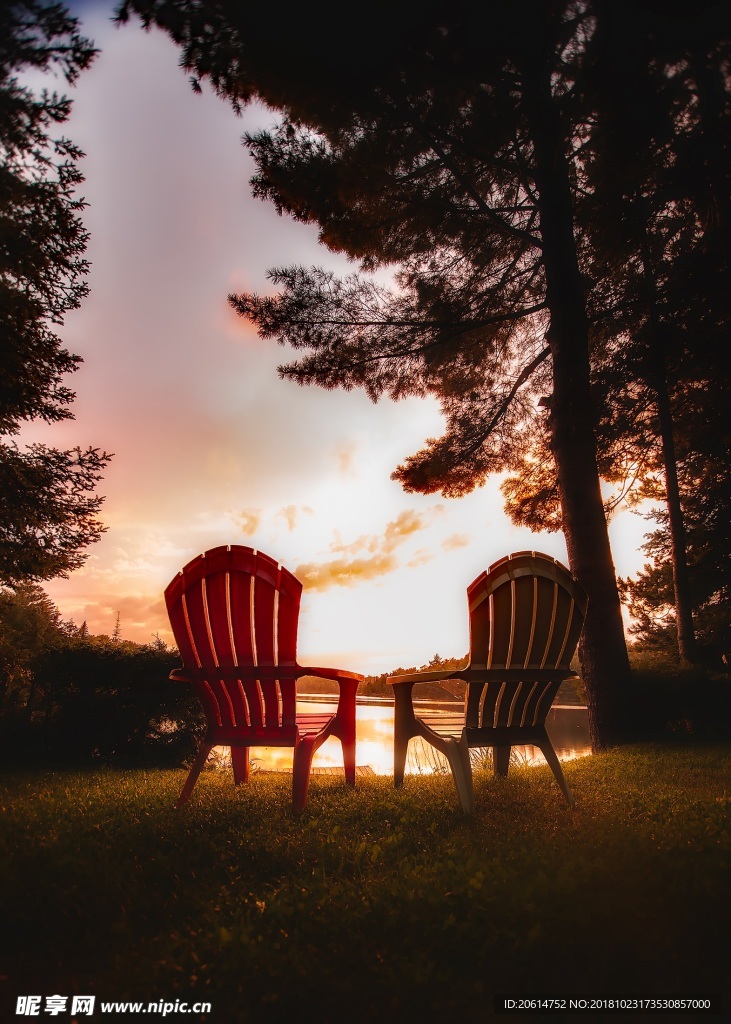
(568, 728)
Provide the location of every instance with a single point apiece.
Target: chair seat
(307, 724)
(314, 721)
(451, 726)
(444, 724)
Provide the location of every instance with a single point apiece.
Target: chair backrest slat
(533, 620)
(546, 604)
(222, 696)
(210, 703)
(230, 608)
(290, 590)
(198, 624)
(526, 704)
(526, 612)
(544, 702)
(252, 693)
(474, 699)
(502, 613)
(239, 609)
(263, 605)
(216, 596)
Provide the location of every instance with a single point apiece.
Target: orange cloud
(345, 455)
(396, 532)
(457, 540)
(249, 519)
(379, 561)
(290, 513)
(421, 557)
(403, 526)
(341, 572)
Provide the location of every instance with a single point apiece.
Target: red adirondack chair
(526, 616)
(234, 613)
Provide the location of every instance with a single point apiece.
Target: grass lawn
(374, 905)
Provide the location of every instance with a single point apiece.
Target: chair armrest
(508, 675)
(406, 723)
(330, 673)
(347, 681)
(179, 675)
(344, 724)
(431, 676)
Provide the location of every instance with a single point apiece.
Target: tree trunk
(603, 650)
(657, 375)
(681, 580)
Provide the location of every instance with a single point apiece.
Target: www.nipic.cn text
(54, 1006)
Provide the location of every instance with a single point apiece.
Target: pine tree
(656, 251)
(47, 505)
(30, 627)
(704, 474)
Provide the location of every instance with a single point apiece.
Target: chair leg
(458, 755)
(200, 759)
(550, 755)
(303, 754)
(400, 749)
(404, 727)
(346, 735)
(501, 760)
(349, 761)
(240, 764)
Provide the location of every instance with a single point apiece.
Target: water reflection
(568, 728)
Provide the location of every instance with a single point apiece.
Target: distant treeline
(378, 686)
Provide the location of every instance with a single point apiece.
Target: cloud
(342, 572)
(379, 561)
(249, 519)
(405, 523)
(396, 532)
(345, 457)
(456, 540)
(422, 556)
(291, 513)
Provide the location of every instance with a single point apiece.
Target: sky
(210, 446)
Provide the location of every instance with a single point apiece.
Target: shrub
(102, 701)
(681, 703)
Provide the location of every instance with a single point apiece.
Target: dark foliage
(67, 697)
(682, 705)
(113, 704)
(47, 503)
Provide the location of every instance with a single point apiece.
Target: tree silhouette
(654, 228)
(659, 241)
(47, 505)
